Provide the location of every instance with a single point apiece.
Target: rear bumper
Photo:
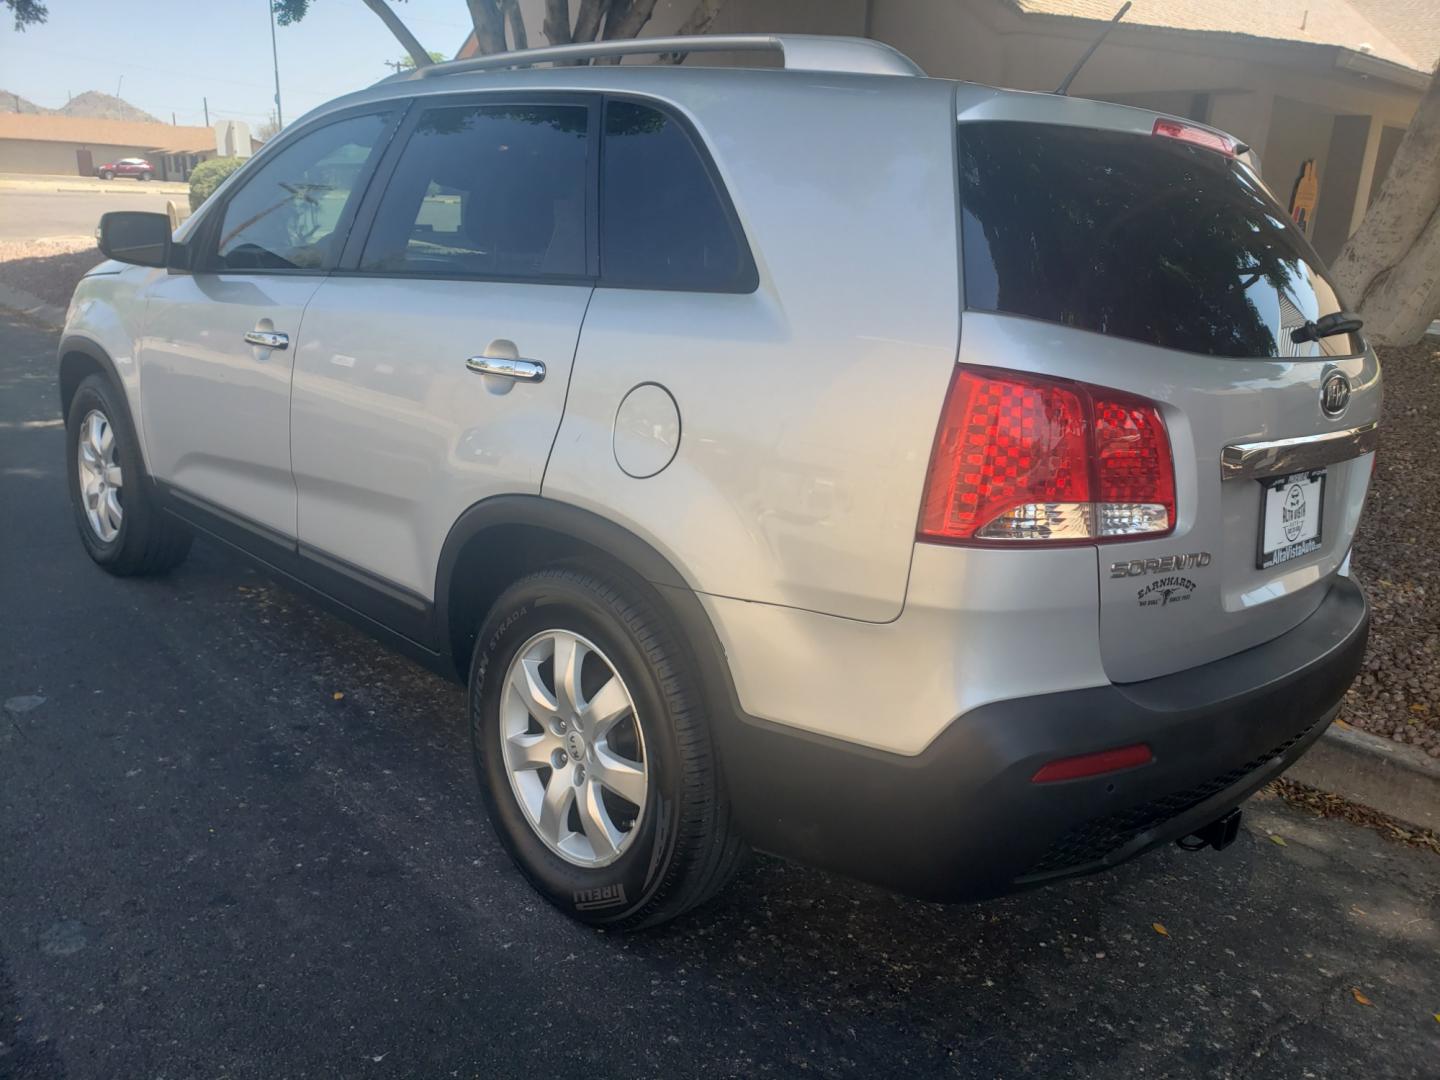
(962, 820)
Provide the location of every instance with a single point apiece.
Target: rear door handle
(525, 370)
(267, 339)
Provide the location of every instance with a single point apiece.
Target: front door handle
(510, 367)
(267, 339)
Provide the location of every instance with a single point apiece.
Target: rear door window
(490, 190)
(1136, 236)
(664, 221)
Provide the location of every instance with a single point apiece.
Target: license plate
(1290, 517)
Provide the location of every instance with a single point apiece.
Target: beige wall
(1280, 98)
(1298, 131)
(34, 156)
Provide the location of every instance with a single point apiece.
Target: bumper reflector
(1106, 761)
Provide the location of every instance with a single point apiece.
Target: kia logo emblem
(1334, 394)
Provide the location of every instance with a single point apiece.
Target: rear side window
(486, 190)
(1136, 236)
(286, 215)
(663, 221)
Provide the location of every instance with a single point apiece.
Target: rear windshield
(1137, 236)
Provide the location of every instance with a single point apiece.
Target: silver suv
(948, 486)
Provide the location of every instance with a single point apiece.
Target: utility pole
(275, 57)
(206, 102)
(118, 83)
(398, 65)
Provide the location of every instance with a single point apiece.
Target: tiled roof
(1405, 32)
(88, 130)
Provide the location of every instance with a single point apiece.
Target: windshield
(1137, 236)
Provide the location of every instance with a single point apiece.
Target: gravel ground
(1398, 693)
(47, 268)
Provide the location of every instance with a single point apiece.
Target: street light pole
(275, 57)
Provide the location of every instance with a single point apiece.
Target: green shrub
(208, 175)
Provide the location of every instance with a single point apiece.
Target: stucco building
(1332, 82)
(76, 145)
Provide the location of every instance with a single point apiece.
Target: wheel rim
(101, 481)
(573, 748)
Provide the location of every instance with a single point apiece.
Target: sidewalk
(90, 184)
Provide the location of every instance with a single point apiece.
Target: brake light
(1028, 458)
(1197, 136)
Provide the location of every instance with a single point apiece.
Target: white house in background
(1333, 82)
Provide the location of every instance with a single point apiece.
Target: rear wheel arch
(499, 540)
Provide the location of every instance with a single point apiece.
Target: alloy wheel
(573, 748)
(101, 480)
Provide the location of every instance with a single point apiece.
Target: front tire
(143, 177)
(122, 528)
(105, 175)
(593, 753)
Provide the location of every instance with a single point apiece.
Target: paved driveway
(39, 214)
(209, 867)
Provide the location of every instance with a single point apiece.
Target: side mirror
(134, 236)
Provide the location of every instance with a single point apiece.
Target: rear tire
(144, 176)
(122, 528)
(681, 847)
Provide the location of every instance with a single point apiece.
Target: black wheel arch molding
(69, 380)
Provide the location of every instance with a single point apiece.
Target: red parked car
(130, 166)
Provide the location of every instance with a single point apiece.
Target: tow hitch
(1219, 834)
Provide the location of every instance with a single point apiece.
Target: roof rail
(801, 52)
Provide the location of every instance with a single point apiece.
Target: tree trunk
(1389, 271)
(699, 22)
(627, 18)
(607, 19)
(489, 25)
(557, 22)
(587, 23)
(401, 31)
(519, 39)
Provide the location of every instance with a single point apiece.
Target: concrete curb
(31, 306)
(1379, 773)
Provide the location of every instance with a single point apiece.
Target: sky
(168, 55)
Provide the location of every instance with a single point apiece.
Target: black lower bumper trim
(963, 821)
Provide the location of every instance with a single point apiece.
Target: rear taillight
(1027, 458)
(1196, 136)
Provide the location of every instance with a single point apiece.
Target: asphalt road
(210, 867)
(36, 215)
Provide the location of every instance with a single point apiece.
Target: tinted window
(496, 190)
(285, 215)
(1137, 236)
(662, 221)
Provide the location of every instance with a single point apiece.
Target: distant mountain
(91, 103)
(13, 103)
(100, 106)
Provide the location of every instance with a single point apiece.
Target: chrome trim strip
(1250, 461)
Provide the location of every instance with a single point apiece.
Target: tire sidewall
(601, 895)
(96, 395)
